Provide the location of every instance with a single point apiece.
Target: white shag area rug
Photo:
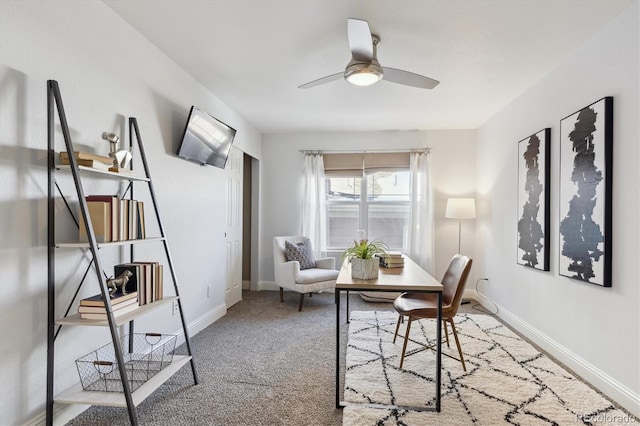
(507, 381)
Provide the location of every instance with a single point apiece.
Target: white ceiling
(252, 54)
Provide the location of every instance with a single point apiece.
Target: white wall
(107, 72)
(453, 174)
(595, 330)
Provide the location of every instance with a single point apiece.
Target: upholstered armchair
(301, 273)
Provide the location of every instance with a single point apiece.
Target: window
(377, 203)
(343, 211)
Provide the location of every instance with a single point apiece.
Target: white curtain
(313, 208)
(421, 228)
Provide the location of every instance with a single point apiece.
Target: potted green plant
(364, 256)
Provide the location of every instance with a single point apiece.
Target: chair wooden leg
(446, 332)
(455, 335)
(397, 328)
(301, 300)
(406, 340)
(281, 295)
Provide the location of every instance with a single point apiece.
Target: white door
(233, 234)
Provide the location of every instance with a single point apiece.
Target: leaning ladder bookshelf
(76, 395)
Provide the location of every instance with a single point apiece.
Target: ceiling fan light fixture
(363, 77)
(364, 69)
(360, 74)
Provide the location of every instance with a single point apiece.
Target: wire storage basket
(144, 355)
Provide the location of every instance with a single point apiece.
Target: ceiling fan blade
(322, 80)
(408, 78)
(360, 41)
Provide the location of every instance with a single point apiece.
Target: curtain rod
(364, 151)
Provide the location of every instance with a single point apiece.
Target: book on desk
(392, 260)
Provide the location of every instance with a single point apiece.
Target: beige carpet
(507, 381)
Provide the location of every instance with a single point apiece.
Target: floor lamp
(460, 208)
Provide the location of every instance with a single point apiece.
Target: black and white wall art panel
(586, 154)
(533, 200)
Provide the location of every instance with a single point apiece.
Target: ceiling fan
(364, 68)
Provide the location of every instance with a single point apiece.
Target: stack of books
(392, 260)
(93, 307)
(88, 159)
(114, 219)
(146, 278)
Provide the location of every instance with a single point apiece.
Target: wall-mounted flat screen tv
(206, 140)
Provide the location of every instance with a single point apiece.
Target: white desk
(411, 278)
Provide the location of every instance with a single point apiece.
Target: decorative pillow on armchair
(301, 252)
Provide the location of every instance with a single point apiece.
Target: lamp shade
(461, 208)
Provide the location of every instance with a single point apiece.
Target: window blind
(355, 164)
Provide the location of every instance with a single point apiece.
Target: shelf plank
(79, 244)
(76, 395)
(120, 320)
(91, 170)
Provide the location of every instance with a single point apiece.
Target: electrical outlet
(208, 291)
(175, 307)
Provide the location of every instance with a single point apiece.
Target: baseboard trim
(202, 322)
(470, 294)
(606, 384)
(268, 286)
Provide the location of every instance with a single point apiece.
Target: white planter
(365, 269)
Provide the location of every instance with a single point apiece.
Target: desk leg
(438, 350)
(348, 319)
(337, 292)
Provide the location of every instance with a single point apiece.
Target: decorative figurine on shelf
(121, 158)
(113, 139)
(121, 281)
